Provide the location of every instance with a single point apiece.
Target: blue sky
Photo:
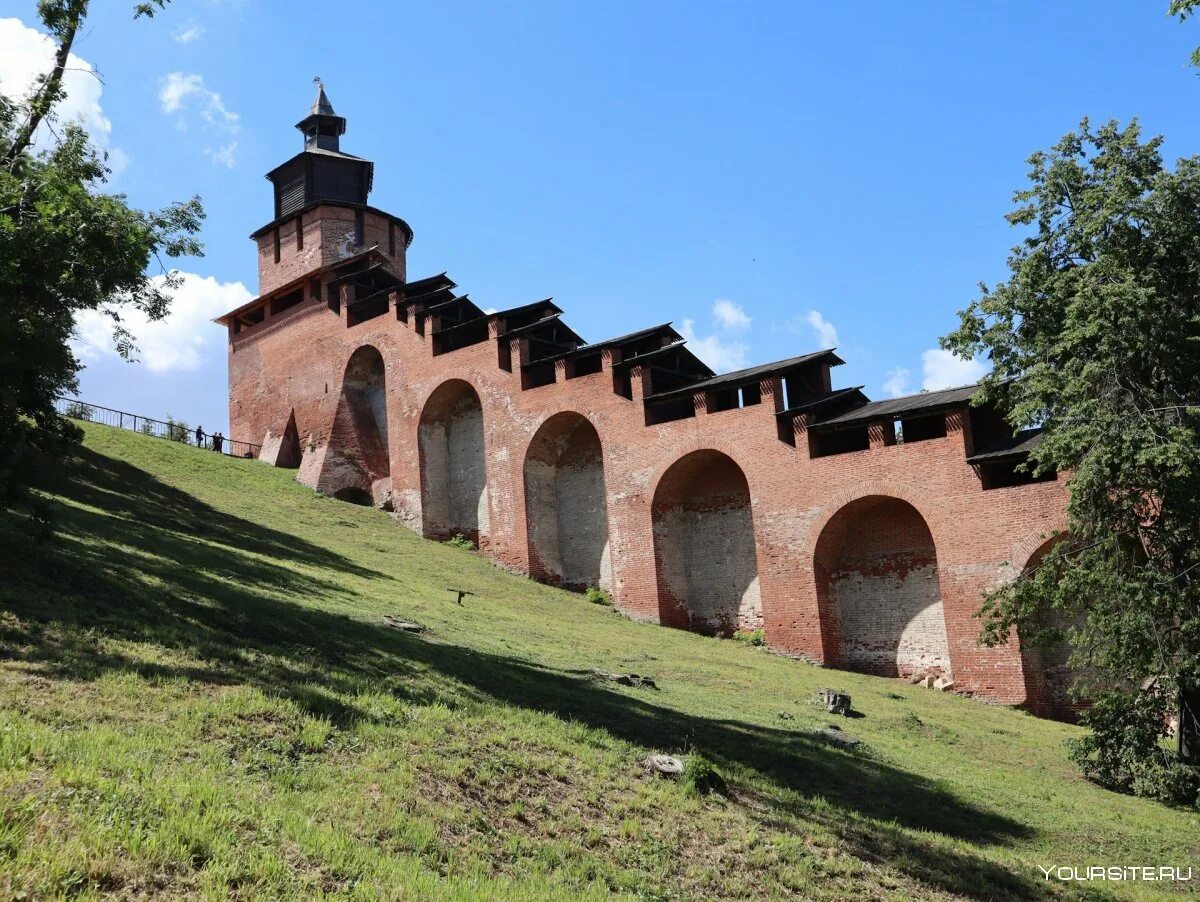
(770, 175)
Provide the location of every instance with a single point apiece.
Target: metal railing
(172, 430)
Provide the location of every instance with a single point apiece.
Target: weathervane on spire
(317, 81)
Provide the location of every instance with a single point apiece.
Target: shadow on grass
(153, 564)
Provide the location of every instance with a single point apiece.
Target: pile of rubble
(933, 679)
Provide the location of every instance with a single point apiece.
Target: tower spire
(322, 172)
(322, 127)
(321, 106)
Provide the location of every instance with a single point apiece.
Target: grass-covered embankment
(198, 696)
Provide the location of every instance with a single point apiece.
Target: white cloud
(225, 155)
(827, 336)
(179, 342)
(187, 32)
(26, 53)
(721, 353)
(896, 383)
(721, 350)
(180, 94)
(176, 88)
(730, 316)
(944, 369)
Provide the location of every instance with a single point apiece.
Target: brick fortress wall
(871, 556)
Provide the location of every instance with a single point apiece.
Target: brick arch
(437, 393)
(357, 466)
(566, 509)
(1024, 552)
(695, 444)
(833, 505)
(1048, 675)
(452, 461)
(705, 549)
(878, 589)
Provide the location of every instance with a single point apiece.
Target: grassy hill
(199, 696)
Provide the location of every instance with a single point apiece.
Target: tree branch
(47, 95)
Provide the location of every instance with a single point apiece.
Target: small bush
(1169, 781)
(177, 430)
(461, 541)
(596, 595)
(77, 410)
(147, 428)
(751, 637)
(701, 777)
(1124, 751)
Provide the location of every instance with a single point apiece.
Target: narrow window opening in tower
(300, 233)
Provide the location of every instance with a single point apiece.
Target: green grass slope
(199, 697)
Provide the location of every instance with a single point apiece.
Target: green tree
(1095, 337)
(66, 247)
(1183, 9)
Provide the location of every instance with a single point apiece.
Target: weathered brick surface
(704, 538)
(709, 522)
(566, 501)
(322, 236)
(453, 472)
(879, 549)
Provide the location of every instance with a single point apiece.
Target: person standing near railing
(217, 441)
(199, 436)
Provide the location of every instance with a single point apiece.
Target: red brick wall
(293, 365)
(329, 235)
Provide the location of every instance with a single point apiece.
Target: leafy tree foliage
(65, 247)
(1183, 9)
(1095, 337)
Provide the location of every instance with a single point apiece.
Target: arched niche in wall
(453, 463)
(1049, 677)
(877, 577)
(566, 508)
(704, 546)
(358, 459)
